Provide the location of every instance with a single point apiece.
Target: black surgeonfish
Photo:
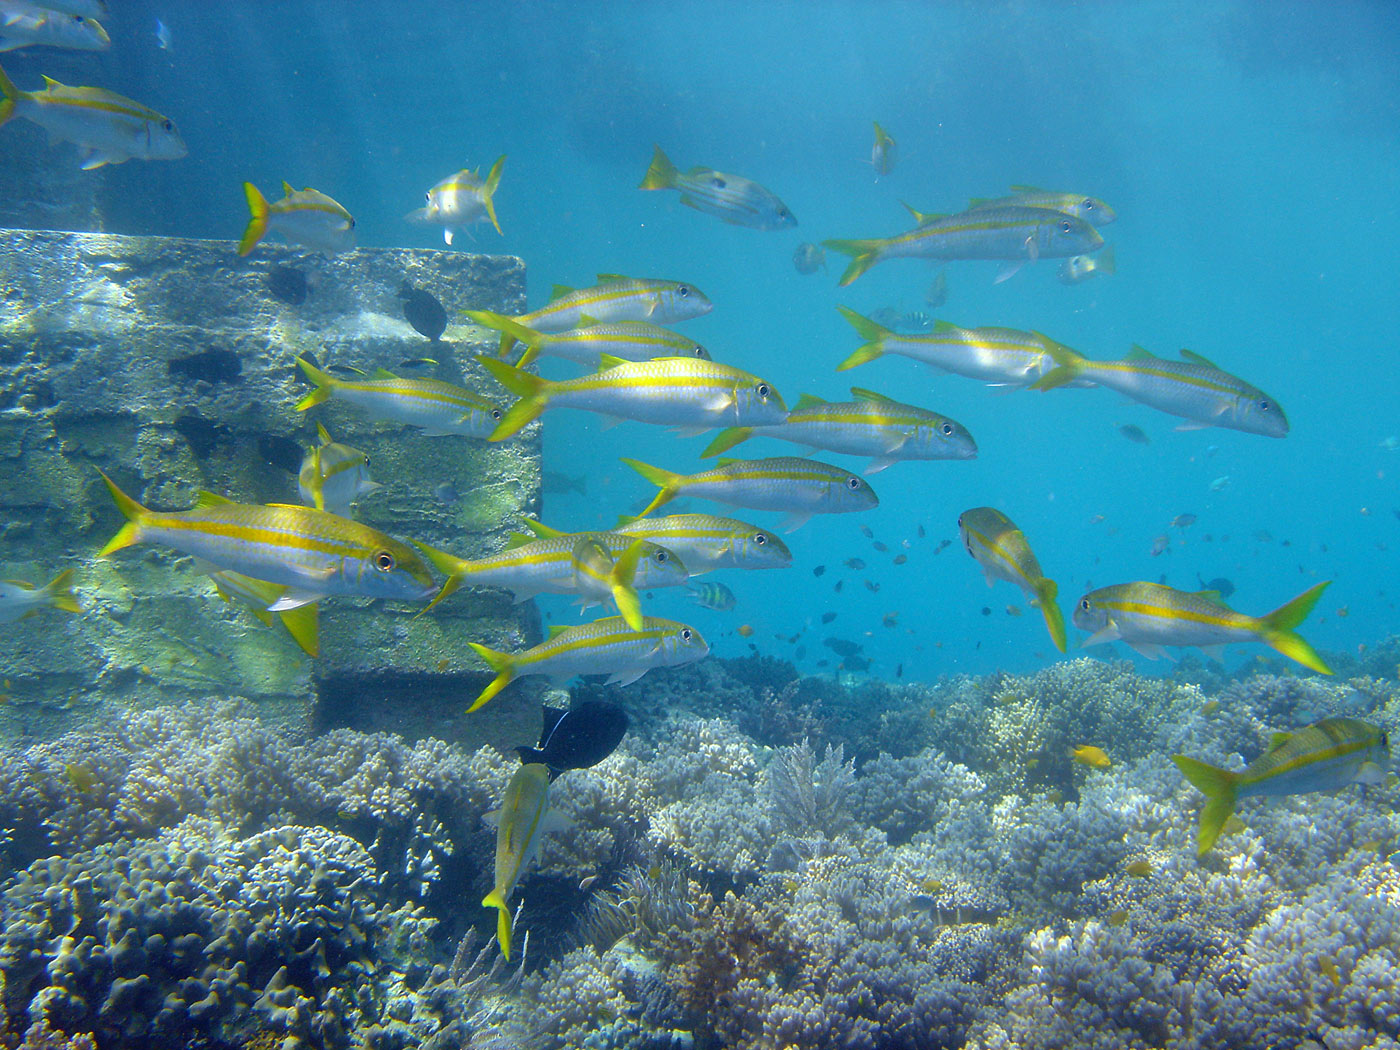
(577, 737)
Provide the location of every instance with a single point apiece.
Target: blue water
(1252, 153)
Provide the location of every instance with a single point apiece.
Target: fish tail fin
(503, 930)
(59, 593)
(668, 481)
(504, 666)
(1276, 629)
(726, 439)
(451, 566)
(622, 581)
(257, 225)
(512, 332)
(325, 385)
(131, 510)
(534, 394)
(662, 173)
(1218, 785)
(303, 624)
(1045, 593)
(11, 95)
(874, 335)
(864, 254)
(1068, 365)
(488, 191)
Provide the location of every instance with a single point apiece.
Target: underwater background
(895, 840)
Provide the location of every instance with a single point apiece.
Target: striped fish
(1149, 616)
(108, 128)
(306, 217)
(872, 425)
(302, 623)
(733, 198)
(20, 600)
(596, 566)
(997, 356)
(1090, 209)
(333, 476)
(800, 487)
(460, 200)
(25, 24)
(607, 646)
(1194, 388)
(704, 542)
(524, 817)
(1325, 756)
(685, 392)
(997, 545)
(1011, 233)
(439, 408)
(711, 595)
(312, 553)
(586, 345)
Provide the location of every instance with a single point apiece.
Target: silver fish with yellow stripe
(1194, 388)
(996, 356)
(523, 819)
(306, 217)
(460, 200)
(873, 425)
(586, 344)
(20, 600)
(685, 392)
(108, 128)
(607, 646)
(733, 198)
(1151, 616)
(798, 487)
(333, 476)
(314, 554)
(1080, 205)
(1015, 234)
(302, 623)
(439, 408)
(24, 24)
(1325, 756)
(704, 542)
(1002, 550)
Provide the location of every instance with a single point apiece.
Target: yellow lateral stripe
(414, 393)
(1185, 378)
(286, 208)
(615, 637)
(1168, 613)
(134, 110)
(1339, 750)
(264, 536)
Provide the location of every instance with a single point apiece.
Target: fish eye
(1066, 226)
(1087, 204)
(168, 125)
(495, 413)
(717, 183)
(660, 557)
(1084, 604)
(428, 196)
(1264, 406)
(760, 539)
(763, 391)
(384, 561)
(682, 291)
(685, 634)
(947, 429)
(853, 483)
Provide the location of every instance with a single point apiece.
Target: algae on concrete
(170, 365)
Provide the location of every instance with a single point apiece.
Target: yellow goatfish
(108, 127)
(24, 24)
(704, 542)
(440, 408)
(523, 817)
(997, 545)
(460, 200)
(306, 217)
(1149, 616)
(586, 344)
(20, 600)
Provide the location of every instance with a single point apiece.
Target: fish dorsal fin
(607, 361)
(976, 202)
(1197, 359)
(945, 327)
(922, 217)
(862, 394)
(282, 506)
(808, 401)
(382, 373)
(50, 83)
(1278, 740)
(323, 434)
(519, 539)
(540, 529)
(205, 499)
(1015, 188)
(559, 291)
(727, 460)
(1138, 353)
(1210, 596)
(610, 278)
(552, 715)
(554, 630)
(287, 188)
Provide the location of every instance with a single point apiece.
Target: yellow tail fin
(1276, 629)
(131, 510)
(11, 95)
(512, 331)
(864, 254)
(488, 191)
(726, 439)
(662, 173)
(302, 623)
(534, 394)
(504, 666)
(1218, 785)
(874, 334)
(622, 580)
(495, 900)
(669, 481)
(325, 385)
(1045, 594)
(59, 593)
(1068, 365)
(257, 225)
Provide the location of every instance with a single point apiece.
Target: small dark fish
(873, 588)
(1134, 433)
(879, 546)
(577, 737)
(890, 620)
(855, 663)
(839, 585)
(345, 370)
(560, 484)
(986, 610)
(866, 532)
(1220, 585)
(800, 653)
(446, 492)
(809, 258)
(942, 544)
(1183, 521)
(899, 671)
(900, 559)
(819, 570)
(419, 363)
(827, 617)
(289, 285)
(854, 563)
(423, 312)
(211, 366)
(843, 648)
(1161, 545)
(922, 532)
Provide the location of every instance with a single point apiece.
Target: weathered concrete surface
(169, 364)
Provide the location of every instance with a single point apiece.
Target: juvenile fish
(302, 623)
(799, 487)
(523, 819)
(873, 425)
(306, 217)
(733, 198)
(704, 542)
(605, 646)
(586, 345)
(884, 152)
(334, 476)
(20, 600)
(1193, 388)
(1150, 616)
(439, 408)
(997, 545)
(712, 595)
(808, 258)
(1079, 268)
(461, 200)
(1325, 756)
(108, 128)
(681, 391)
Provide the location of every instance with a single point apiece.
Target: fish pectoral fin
(1371, 773)
(1215, 652)
(1008, 270)
(294, 599)
(608, 422)
(690, 432)
(97, 158)
(626, 677)
(1032, 248)
(796, 520)
(879, 463)
(1100, 637)
(1194, 424)
(1151, 650)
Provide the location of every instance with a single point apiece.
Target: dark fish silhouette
(1220, 585)
(288, 284)
(423, 312)
(577, 737)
